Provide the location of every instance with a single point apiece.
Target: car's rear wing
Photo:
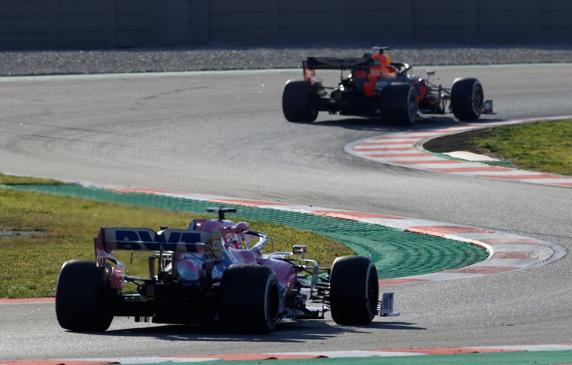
(311, 64)
(332, 63)
(176, 240)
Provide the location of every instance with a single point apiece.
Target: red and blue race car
(379, 88)
(214, 271)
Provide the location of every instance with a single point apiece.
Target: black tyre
(467, 99)
(354, 290)
(249, 300)
(399, 103)
(80, 297)
(296, 104)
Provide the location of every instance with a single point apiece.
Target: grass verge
(38, 232)
(542, 146)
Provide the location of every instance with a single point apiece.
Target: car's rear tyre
(296, 104)
(467, 99)
(81, 293)
(399, 103)
(249, 300)
(354, 290)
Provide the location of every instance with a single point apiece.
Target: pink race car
(214, 271)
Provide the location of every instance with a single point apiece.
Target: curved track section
(406, 149)
(223, 133)
(404, 250)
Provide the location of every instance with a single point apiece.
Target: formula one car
(379, 88)
(214, 271)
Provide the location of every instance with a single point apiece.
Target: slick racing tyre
(249, 300)
(81, 293)
(399, 103)
(296, 104)
(354, 290)
(467, 99)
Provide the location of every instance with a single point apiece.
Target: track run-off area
(223, 133)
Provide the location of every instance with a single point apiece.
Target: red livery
(379, 88)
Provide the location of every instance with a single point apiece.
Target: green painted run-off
(496, 358)
(395, 253)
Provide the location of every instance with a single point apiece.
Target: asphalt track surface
(223, 133)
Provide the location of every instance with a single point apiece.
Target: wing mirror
(299, 250)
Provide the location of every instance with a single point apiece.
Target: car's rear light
(149, 291)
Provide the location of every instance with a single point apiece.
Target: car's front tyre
(354, 290)
(467, 99)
